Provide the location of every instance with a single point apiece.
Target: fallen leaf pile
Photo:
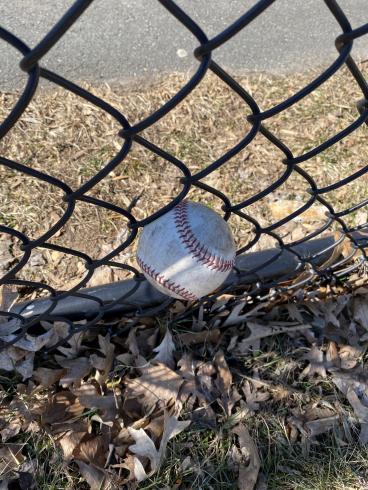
(111, 399)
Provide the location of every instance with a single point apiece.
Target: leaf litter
(113, 421)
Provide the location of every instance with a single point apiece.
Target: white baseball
(188, 252)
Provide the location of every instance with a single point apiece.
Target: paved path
(123, 39)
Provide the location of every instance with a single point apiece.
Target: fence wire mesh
(307, 260)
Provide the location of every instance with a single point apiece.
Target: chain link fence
(288, 267)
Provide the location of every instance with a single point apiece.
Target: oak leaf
(76, 370)
(96, 479)
(47, 377)
(89, 397)
(165, 351)
(316, 363)
(158, 383)
(317, 427)
(61, 407)
(75, 345)
(30, 343)
(103, 364)
(92, 449)
(69, 441)
(357, 395)
(253, 397)
(194, 338)
(145, 447)
(360, 306)
(12, 429)
(250, 464)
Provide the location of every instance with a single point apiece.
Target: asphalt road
(124, 39)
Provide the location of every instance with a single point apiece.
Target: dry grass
(70, 139)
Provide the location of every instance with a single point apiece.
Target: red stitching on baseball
(193, 245)
(166, 283)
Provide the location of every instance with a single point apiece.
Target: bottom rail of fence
(285, 265)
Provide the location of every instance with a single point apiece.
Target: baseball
(188, 252)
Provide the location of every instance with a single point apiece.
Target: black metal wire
(203, 52)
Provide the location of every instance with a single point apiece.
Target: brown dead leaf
(313, 422)
(47, 377)
(61, 329)
(102, 275)
(253, 397)
(128, 464)
(224, 377)
(145, 340)
(12, 429)
(15, 353)
(330, 310)
(206, 382)
(6, 361)
(235, 317)
(227, 398)
(155, 428)
(314, 428)
(295, 312)
(92, 449)
(14, 359)
(186, 366)
(145, 447)
(198, 389)
(195, 391)
(283, 207)
(349, 356)
(126, 359)
(77, 424)
(158, 383)
(338, 250)
(172, 427)
(69, 441)
(250, 465)
(205, 368)
(103, 364)
(316, 363)
(132, 342)
(76, 370)
(332, 357)
(75, 343)
(11, 457)
(61, 407)
(25, 410)
(25, 366)
(32, 344)
(89, 397)
(360, 308)
(194, 338)
(318, 410)
(252, 343)
(96, 479)
(165, 351)
(357, 395)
